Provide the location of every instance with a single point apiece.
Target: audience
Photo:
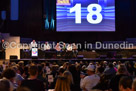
(68, 76)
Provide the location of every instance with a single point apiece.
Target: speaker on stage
(13, 57)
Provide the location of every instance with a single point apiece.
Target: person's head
(2, 40)
(134, 85)
(61, 71)
(122, 69)
(105, 62)
(46, 43)
(33, 41)
(64, 44)
(4, 62)
(66, 65)
(9, 74)
(68, 76)
(33, 70)
(62, 84)
(23, 89)
(114, 63)
(21, 63)
(110, 65)
(74, 44)
(72, 69)
(4, 85)
(54, 68)
(97, 63)
(90, 70)
(57, 44)
(15, 68)
(125, 83)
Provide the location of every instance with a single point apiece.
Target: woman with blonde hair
(62, 84)
(70, 81)
(69, 77)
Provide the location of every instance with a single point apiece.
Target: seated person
(74, 47)
(33, 44)
(47, 46)
(64, 47)
(57, 47)
(69, 47)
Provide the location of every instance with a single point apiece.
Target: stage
(73, 60)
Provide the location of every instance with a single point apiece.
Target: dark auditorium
(67, 45)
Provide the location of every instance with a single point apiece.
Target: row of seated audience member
(71, 76)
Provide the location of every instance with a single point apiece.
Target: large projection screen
(85, 15)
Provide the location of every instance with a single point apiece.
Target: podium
(34, 52)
